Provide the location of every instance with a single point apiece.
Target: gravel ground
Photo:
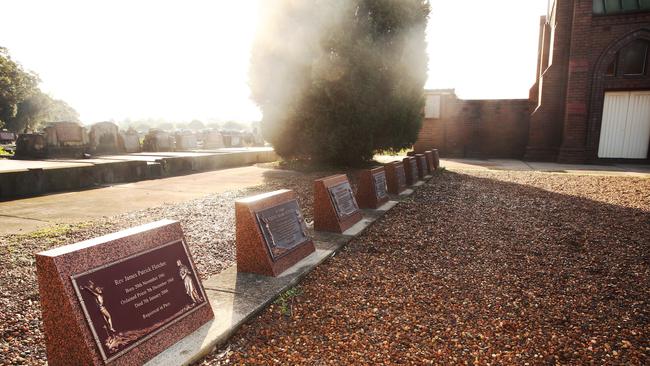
(477, 267)
(209, 226)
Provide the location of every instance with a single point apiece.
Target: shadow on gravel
(483, 267)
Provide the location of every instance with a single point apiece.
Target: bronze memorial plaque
(414, 169)
(128, 301)
(379, 179)
(343, 199)
(283, 228)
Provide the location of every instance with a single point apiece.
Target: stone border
(238, 297)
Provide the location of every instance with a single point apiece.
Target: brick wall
(477, 128)
(568, 95)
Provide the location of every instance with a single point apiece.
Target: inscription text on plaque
(283, 228)
(343, 200)
(379, 180)
(128, 301)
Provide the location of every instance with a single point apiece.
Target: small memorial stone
(436, 159)
(421, 165)
(429, 156)
(373, 191)
(395, 177)
(121, 298)
(335, 208)
(411, 170)
(271, 233)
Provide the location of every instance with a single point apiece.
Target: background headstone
(271, 233)
(212, 140)
(185, 141)
(104, 138)
(335, 208)
(131, 141)
(158, 141)
(372, 191)
(120, 298)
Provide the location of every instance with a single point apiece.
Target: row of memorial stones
(125, 297)
(70, 139)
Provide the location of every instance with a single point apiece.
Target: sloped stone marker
(237, 297)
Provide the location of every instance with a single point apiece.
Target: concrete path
(638, 170)
(634, 170)
(30, 214)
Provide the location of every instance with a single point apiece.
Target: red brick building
(590, 101)
(473, 128)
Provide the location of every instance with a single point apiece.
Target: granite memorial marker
(422, 165)
(372, 191)
(120, 299)
(410, 170)
(395, 177)
(436, 158)
(335, 208)
(271, 233)
(429, 156)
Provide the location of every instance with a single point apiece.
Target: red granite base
(392, 181)
(436, 158)
(422, 165)
(366, 193)
(252, 253)
(429, 156)
(325, 217)
(68, 337)
(411, 179)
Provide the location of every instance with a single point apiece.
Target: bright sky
(181, 60)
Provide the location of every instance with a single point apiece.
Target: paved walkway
(585, 169)
(639, 170)
(27, 215)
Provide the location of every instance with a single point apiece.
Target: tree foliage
(39, 108)
(16, 85)
(196, 125)
(23, 106)
(338, 80)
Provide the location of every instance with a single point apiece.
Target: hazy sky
(181, 60)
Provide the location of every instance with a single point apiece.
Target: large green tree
(23, 106)
(338, 80)
(16, 85)
(39, 108)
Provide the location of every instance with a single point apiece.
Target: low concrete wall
(31, 182)
(187, 164)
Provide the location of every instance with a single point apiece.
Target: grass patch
(5, 153)
(56, 231)
(285, 300)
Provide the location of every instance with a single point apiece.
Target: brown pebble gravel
(477, 267)
(209, 226)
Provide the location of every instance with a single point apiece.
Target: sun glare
(189, 60)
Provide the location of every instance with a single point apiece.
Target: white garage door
(625, 131)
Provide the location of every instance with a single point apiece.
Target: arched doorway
(620, 103)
